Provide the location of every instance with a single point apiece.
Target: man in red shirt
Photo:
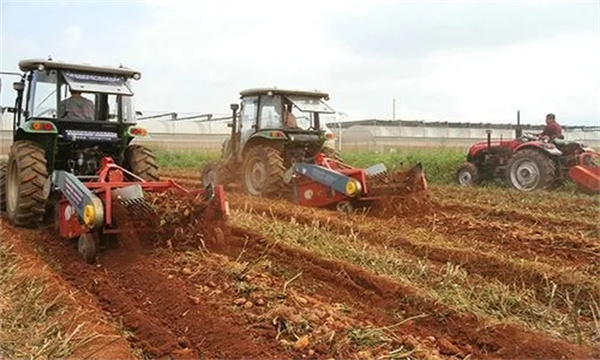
(552, 130)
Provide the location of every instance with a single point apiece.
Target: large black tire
(141, 161)
(25, 179)
(262, 171)
(3, 168)
(530, 169)
(467, 174)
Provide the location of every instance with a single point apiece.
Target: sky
(440, 61)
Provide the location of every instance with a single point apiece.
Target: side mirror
(19, 86)
(234, 107)
(139, 113)
(229, 125)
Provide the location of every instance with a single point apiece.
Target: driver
(552, 130)
(76, 107)
(289, 120)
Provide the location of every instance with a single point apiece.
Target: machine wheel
(141, 161)
(467, 174)
(87, 247)
(211, 174)
(3, 168)
(25, 180)
(530, 169)
(262, 171)
(345, 207)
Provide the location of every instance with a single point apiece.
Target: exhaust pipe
(518, 130)
(234, 144)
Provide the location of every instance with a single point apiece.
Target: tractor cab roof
(41, 64)
(285, 92)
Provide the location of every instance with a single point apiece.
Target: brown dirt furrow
(158, 310)
(378, 297)
(487, 264)
(544, 220)
(542, 203)
(110, 344)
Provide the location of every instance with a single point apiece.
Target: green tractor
(68, 117)
(274, 130)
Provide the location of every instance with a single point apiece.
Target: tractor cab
(289, 119)
(68, 119)
(75, 112)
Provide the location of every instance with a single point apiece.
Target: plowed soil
(447, 274)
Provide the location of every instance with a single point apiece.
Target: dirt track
(449, 275)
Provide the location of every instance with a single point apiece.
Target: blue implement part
(339, 182)
(86, 204)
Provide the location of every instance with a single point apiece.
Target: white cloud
(558, 75)
(197, 56)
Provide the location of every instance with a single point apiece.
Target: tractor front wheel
(141, 161)
(25, 179)
(530, 169)
(467, 174)
(263, 171)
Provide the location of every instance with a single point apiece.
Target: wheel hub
(526, 175)
(465, 178)
(257, 176)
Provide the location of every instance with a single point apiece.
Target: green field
(440, 164)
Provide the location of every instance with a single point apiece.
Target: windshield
(77, 96)
(104, 83)
(310, 104)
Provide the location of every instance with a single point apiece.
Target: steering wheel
(530, 136)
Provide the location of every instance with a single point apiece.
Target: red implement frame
(111, 176)
(586, 174)
(321, 195)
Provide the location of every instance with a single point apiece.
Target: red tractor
(529, 162)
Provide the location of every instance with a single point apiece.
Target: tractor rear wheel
(262, 171)
(467, 174)
(25, 181)
(530, 169)
(3, 168)
(141, 161)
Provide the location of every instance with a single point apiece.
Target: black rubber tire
(3, 168)
(141, 161)
(546, 169)
(25, 179)
(211, 174)
(467, 174)
(274, 170)
(87, 247)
